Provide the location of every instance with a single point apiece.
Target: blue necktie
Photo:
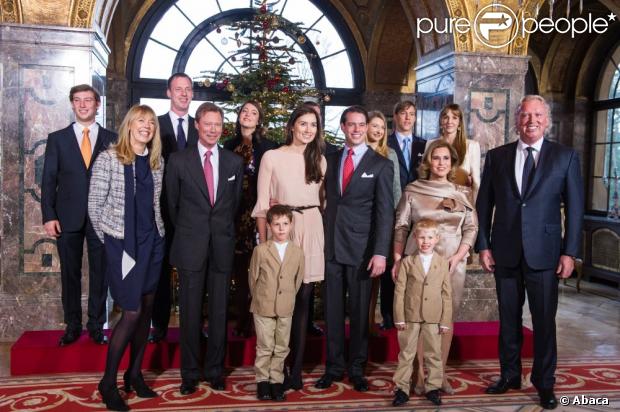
(407, 152)
(181, 141)
(528, 171)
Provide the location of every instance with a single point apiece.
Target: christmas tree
(263, 63)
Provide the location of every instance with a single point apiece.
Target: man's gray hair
(539, 98)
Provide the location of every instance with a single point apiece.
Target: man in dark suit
(524, 185)
(203, 185)
(409, 150)
(69, 156)
(177, 132)
(358, 230)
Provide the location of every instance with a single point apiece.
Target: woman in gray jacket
(123, 205)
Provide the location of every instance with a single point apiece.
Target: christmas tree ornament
(230, 87)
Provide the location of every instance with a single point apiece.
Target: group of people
(393, 213)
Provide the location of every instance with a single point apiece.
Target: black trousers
(163, 300)
(541, 287)
(191, 293)
(338, 279)
(387, 296)
(70, 251)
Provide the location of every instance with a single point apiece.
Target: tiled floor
(588, 323)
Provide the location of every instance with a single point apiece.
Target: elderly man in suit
(69, 156)
(177, 132)
(358, 230)
(524, 185)
(203, 188)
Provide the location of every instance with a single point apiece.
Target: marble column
(38, 66)
(488, 88)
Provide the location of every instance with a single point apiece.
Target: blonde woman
(376, 138)
(452, 130)
(123, 206)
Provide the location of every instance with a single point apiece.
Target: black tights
(299, 330)
(133, 327)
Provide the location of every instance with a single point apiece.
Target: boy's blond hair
(427, 224)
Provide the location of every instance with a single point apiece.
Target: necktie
(407, 152)
(528, 171)
(181, 140)
(208, 170)
(347, 171)
(85, 148)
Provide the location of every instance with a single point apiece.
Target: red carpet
(590, 377)
(37, 352)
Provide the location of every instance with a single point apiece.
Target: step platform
(38, 353)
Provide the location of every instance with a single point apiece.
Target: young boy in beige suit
(276, 273)
(422, 306)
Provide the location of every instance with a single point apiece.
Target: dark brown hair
(460, 141)
(403, 105)
(279, 210)
(179, 74)
(313, 150)
(353, 109)
(84, 88)
(208, 107)
(259, 132)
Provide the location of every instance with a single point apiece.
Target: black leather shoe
(360, 383)
(142, 389)
(434, 397)
(218, 383)
(315, 330)
(502, 386)
(156, 335)
(326, 381)
(277, 392)
(111, 398)
(98, 337)
(400, 398)
(292, 383)
(263, 391)
(547, 399)
(70, 336)
(188, 386)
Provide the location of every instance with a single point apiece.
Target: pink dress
(282, 178)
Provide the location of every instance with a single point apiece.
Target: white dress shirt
(175, 123)
(281, 247)
(426, 262)
(215, 162)
(522, 155)
(93, 129)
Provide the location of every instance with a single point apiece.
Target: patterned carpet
(591, 377)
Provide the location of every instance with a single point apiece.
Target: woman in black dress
(123, 206)
(249, 143)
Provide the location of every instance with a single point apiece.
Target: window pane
(614, 125)
(325, 38)
(332, 121)
(204, 57)
(162, 106)
(614, 91)
(600, 166)
(298, 11)
(172, 29)
(235, 4)
(338, 71)
(198, 11)
(599, 195)
(157, 61)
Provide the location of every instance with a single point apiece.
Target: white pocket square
(232, 178)
(367, 176)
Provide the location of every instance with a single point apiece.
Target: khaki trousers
(408, 343)
(272, 337)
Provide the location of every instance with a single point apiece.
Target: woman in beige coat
(434, 196)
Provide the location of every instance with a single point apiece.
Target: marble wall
(38, 66)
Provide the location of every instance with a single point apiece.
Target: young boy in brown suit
(276, 273)
(422, 306)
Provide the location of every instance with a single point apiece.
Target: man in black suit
(520, 240)
(69, 156)
(177, 133)
(203, 185)
(358, 230)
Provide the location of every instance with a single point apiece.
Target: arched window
(193, 36)
(606, 152)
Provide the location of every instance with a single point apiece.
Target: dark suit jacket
(531, 224)
(168, 136)
(64, 187)
(259, 148)
(359, 223)
(199, 226)
(330, 148)
(417, 151)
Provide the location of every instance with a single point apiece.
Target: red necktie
(208, 170)
(347, 171)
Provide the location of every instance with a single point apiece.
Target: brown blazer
(274, 284)
(423, 299)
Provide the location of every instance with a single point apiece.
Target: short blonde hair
(424, 171)
(124, 152)
(426, 224)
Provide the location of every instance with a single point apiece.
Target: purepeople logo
(496, 25)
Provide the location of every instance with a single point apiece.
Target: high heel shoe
(447, 388)
(142, 389)
(111, 398)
